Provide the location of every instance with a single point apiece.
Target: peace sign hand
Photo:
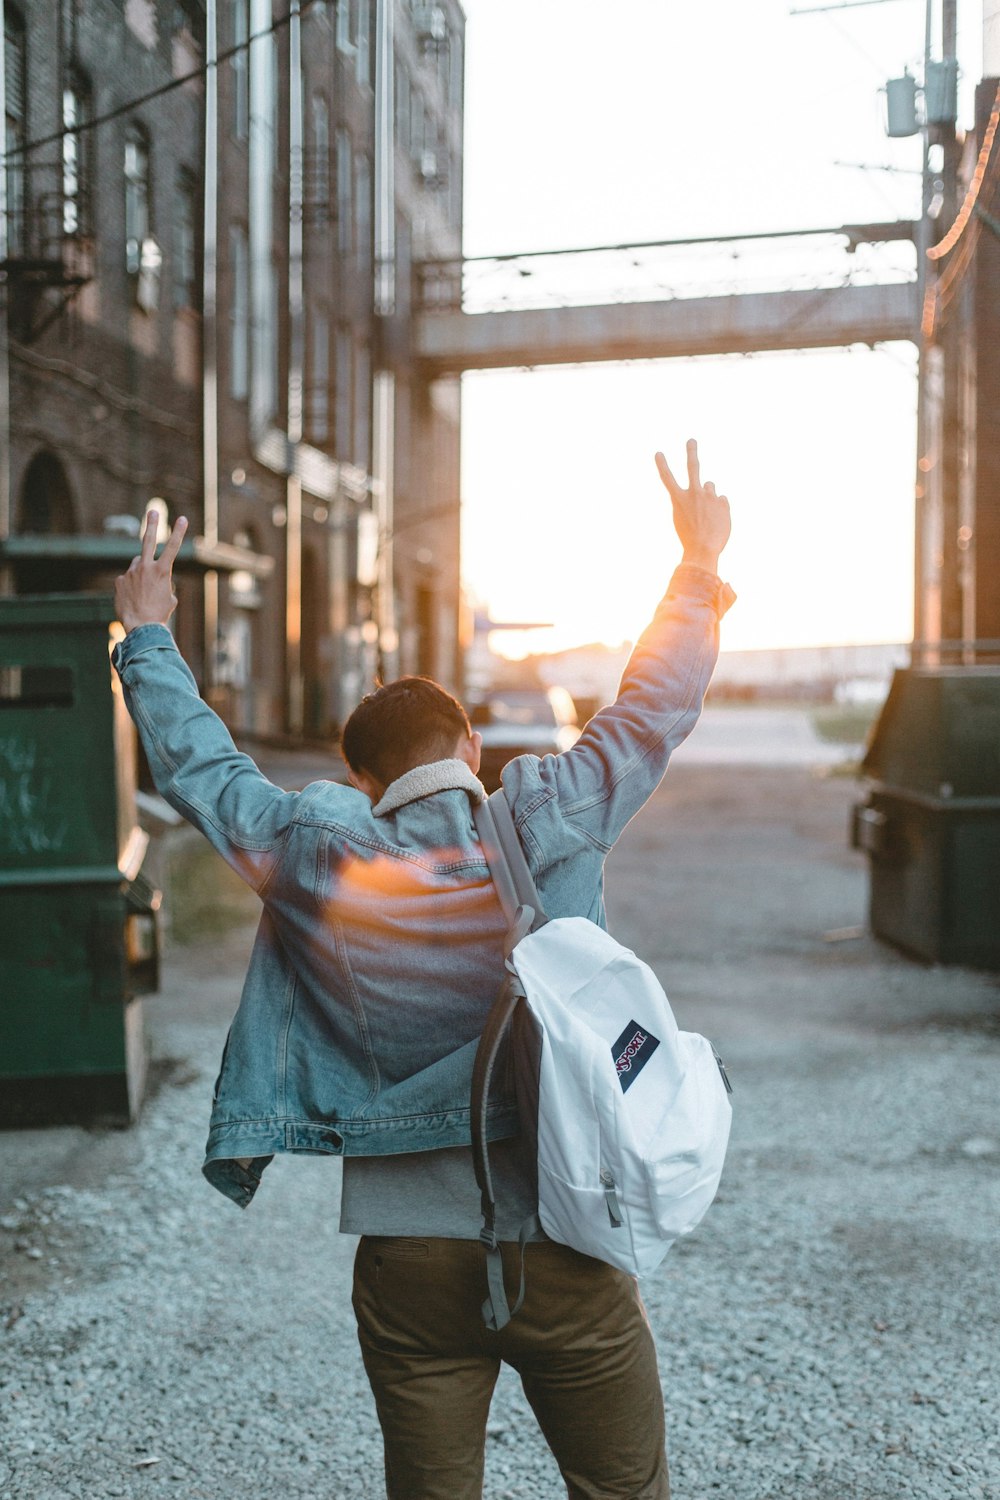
(701, 517)
(145, 594)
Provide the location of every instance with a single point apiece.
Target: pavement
(829, 1333)
(733, 735)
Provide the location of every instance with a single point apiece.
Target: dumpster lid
(939, 732)
(197, 555)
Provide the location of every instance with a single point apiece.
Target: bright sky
(590, 123)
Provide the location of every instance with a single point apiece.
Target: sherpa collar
(423, 781)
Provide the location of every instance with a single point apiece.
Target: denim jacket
(379, 949)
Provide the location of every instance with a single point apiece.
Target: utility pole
(951, 456)
(209, 342)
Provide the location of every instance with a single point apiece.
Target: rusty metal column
(951, 456)
(296, 339)
(922, 482)
(209, 340)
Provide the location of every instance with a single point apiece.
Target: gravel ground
(830, 1333)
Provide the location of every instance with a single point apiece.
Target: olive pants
(581, 1345)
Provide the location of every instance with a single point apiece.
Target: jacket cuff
(708, 588)
(139, 638)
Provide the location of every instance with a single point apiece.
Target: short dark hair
(400, 725)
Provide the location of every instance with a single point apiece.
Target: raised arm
(194, 762)
(619, 760)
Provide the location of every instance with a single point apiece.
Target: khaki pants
(581, 1345)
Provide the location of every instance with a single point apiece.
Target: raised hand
(145, 594)
(701, 517)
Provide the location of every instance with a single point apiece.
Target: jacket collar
(424, 781)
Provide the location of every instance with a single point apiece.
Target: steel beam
(448, 342)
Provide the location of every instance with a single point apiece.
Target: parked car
(522, 721)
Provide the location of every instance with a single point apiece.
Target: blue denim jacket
(379, 948)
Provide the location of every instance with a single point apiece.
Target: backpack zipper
(611, 1199)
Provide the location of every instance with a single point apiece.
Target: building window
(137, 196)
(239, 314)
(16, 81)
(416, 125)
(270, 353)
(274, 103)
(343, 393)
(455, 72)
(346, 24)
(362, 407)
(317, 391)
(76, 147)
(241, 69)
(345, 169)
(187, 16)
(402, 82)
(186, 241)
(362, 59)
(318, 184)
(404, 265)
(363, 211)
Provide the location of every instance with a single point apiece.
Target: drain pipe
(296, 353)
(384, 386)
(209, 341)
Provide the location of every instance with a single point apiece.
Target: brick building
(208, 299)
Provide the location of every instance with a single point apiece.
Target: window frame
(344, 167)
(318, 191)
(16, 129)
(137, 136)
(185, 253)
(239, 313)
(77, 158)
(240, 65)
(317, 388)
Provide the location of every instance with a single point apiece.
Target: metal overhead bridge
(862, 289)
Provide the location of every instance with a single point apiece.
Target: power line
(157, 93)
(895, 229)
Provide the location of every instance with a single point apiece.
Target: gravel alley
(829, 1333)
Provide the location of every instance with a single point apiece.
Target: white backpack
(625, 1117)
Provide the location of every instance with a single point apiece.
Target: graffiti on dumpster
(29, 816)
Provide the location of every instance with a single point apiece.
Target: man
(377, 958)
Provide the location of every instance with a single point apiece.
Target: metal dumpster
(79, 933)
(931, 822)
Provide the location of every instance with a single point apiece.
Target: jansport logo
(624, 1062)
(632, 1052)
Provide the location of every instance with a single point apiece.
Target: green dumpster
(79, 935)
(931, 822)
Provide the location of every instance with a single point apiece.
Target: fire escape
(50, 246)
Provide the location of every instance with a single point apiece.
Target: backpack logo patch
(632, 1052)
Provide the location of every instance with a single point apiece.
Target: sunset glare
(647, 128)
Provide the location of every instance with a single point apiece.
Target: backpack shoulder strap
(522, 909)
(508, 866)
